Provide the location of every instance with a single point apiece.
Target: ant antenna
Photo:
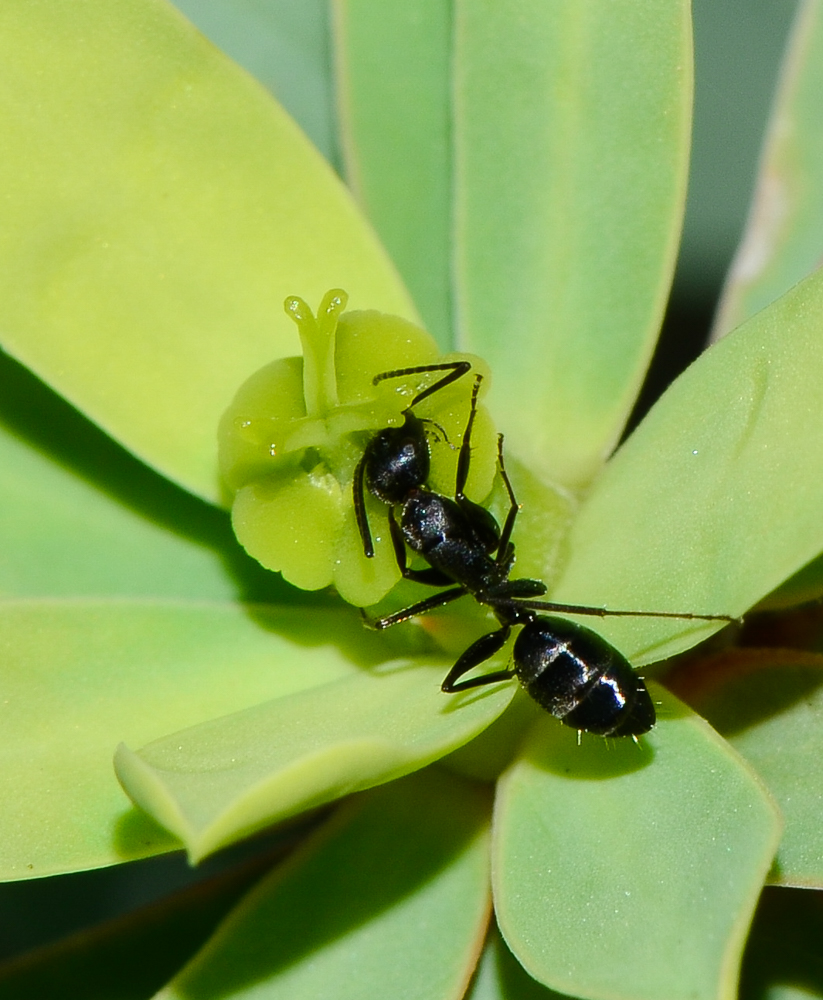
(455, 369)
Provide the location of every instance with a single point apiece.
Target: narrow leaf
(223, 779)
(501, 977)
(389, 900)
(477, 142)
(783, 241)
(632, 872)
(571, 152)
(783, 960)
(394, 85)
(130, 957)
(158, 208)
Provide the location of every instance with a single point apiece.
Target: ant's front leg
(481, 650)
(360, 516)
(464, 455)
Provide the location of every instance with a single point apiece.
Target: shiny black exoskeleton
(397, 460)
(460, 541)
(569, 670)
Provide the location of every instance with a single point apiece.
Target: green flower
(292, 438)
(525, 166)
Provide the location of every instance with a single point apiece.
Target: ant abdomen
(581, 679)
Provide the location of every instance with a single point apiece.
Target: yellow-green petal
(292, 442)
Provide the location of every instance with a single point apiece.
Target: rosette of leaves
(524, 165)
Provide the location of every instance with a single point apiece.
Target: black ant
(397, 459)
(568, 669)
(460, 540)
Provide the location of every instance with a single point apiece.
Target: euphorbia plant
(158, 208)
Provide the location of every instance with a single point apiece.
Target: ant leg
(421, 608)
(479, 651)
(455, 369)
(514, 506)
(503, 594)
(464, 458)
(583, 609)
(431, 577)
(359, 497)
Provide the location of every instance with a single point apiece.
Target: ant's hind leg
(481, 650)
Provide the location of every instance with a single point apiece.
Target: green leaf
(536, 166)
(81, 516)
(78, 676)
(394, 80)
(130, 957)
(632, 871)
(489, 133)
(223, 779)
(389, 900)
(768, 703)
(685, 517)
(571, 154)
(783, 241)
(286, 46)
(158, 208)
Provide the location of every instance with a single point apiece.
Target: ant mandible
(569, 670)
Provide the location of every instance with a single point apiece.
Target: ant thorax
(449, 536)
